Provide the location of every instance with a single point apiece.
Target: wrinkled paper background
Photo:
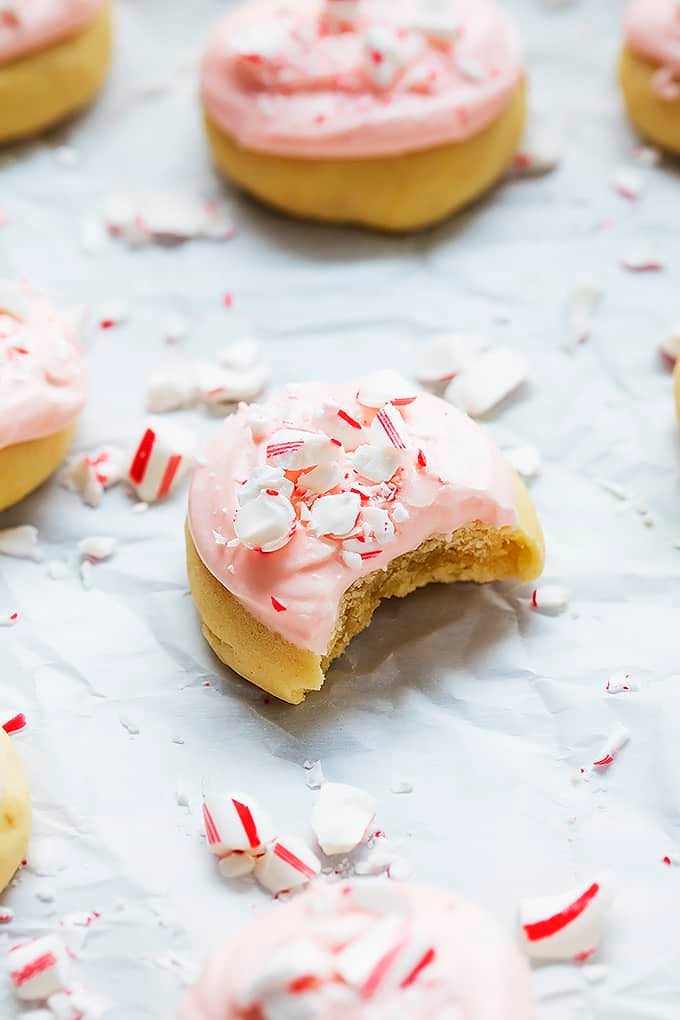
(483, 705)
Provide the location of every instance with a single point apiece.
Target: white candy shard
(376, 463)
(443, 357)
(236, 865)
(488, 381)
(315, 777)
(166, 217)
(538, 156)
(81, 476)
(287, 864)
(321, 478)
(76, 1004)
(20, 542)
(163, 456)
(335, 515)
(383, 58)
(9, 619)
(258, 422)
(341, 816)
(581, 307)
(266, 523)
(218, 386)
(385, 387)
(550, 598)
(338, 423)
(567, 926)
(627, 182)
(387, 957)
(376, 524)
(171, 389)
(262, 479)
(388, 428)
(526, 460)
(281, 969)
(97, 547)
(235, 821)
(617, 739)
(621, 682)
(39, 968)
(295, 449)
(240, 356)
(641, 259)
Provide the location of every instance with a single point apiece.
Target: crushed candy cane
(620, 682)
(341, 817)
(538, 156)
(287, 864)
(567, 926)
(9, 619)
(627, 182)
(97, 547)
(20, 542)
(161, 459)
(265, 523)
(235, 822)
(383, 58)
(526, 460)
(617, 739)
(171, 389)
(641, 259)
(38, 969)
(14, 722)
(443, 357)
(386, 387)
(166, 217)
(550, 598)
(490, 379)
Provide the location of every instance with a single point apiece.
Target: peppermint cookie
(364, 952)
(42, 389)
(53, 58)
(15, 810)
(649, 70)
(311, 509)
(364, 111)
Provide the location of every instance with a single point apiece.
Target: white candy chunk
(617, 739)
(218, 386)
(260, 480)
(376, 463)
(383, 59)
(337, 13)
(315, 777)
(538, 156)
(488, 381)
(39, 968)
(258, 422)
(282, 968)
(321, 478)
(550, 598)
(171, 389)
(20, 542)
(670, 347)
(627, 182)
(235, 821)
(443, 357)
(385, 387)
(526, 460)
(295, 449)
(236, 865)
(97, 547)
(76, 1004)
(567, 926)
(581, 307)
(385, 958)
(81, 476)
(377, 524)
(166, 217)
(666, 84)
(641, 259)
(241, 355)
(163, 456)
(351, 559)
(436, 20)
(287, 864)
(266, 523)
(339, 423)
(341, 816)
(621, 682)
(335, 515)
(388, 428)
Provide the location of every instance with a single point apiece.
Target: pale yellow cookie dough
(25, 466)
(391, 193)
(43, 87)
(477, 552)
(656, 118)
(15, 810)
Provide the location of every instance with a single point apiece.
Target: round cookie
(359, 951)
(314, 507)
(15, 810)
(390, 116)
(42, 389)
(54, 55)
(649, 70)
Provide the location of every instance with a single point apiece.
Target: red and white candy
(385, 387)
(550, 598)
(20, 542)
(538, 156)
(219, 386)
(166, 217)
(617, 739)
(619, 683)
(38, 969)
(388, 428)
(296, 449)
(287, 864)
(376, 524)
(341, 817)
(171, 388)
(385, 958)
(383, 58)
(443, 357)
(264, 479)
(235, 822)
(335, 515)
(321, 479)
(285, 973)
(376, 463)
(487, 381)
(266, 523)
(161, 459)
(567, 926)
(12, 722)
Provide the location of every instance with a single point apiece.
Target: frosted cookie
(312, 508)
(364, 111)
(42, 389)
(15, 810)
(366, 952)
(649, 70)
(53, 57)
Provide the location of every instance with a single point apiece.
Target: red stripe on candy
(278, 606)
(424, 962)
(285, 855)
(551, 925)
(141, 458)
(375, 978)
(348, 418)
(15, 724)
(248, 823)
(390, 430)
(168, 475)
(32, 969)
(211, 829)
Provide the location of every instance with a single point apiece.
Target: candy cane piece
(385, 387)
(617, 739)
(162, 457)
(488, 381)
(39, 968)
(235, 821)
(341, 816)
(335, 515)
(567, 926)
(388, 427)
(295, 449)
(287, 864)
(266, 523)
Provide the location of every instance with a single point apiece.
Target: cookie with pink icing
(312, 508)
(42, 388)
(366, 952)
(53, 57)
(649, 69)
(342, 92)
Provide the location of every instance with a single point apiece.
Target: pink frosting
(451, 474)
(278, 80)
(42, 371)
(474, 972)
(28, 25)
(652, 29)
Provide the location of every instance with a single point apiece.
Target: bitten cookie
(649, 70)
(42, 389)
(358, 951)
(313, 508)
(364, 111)
(53, 58)
(15, 810)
